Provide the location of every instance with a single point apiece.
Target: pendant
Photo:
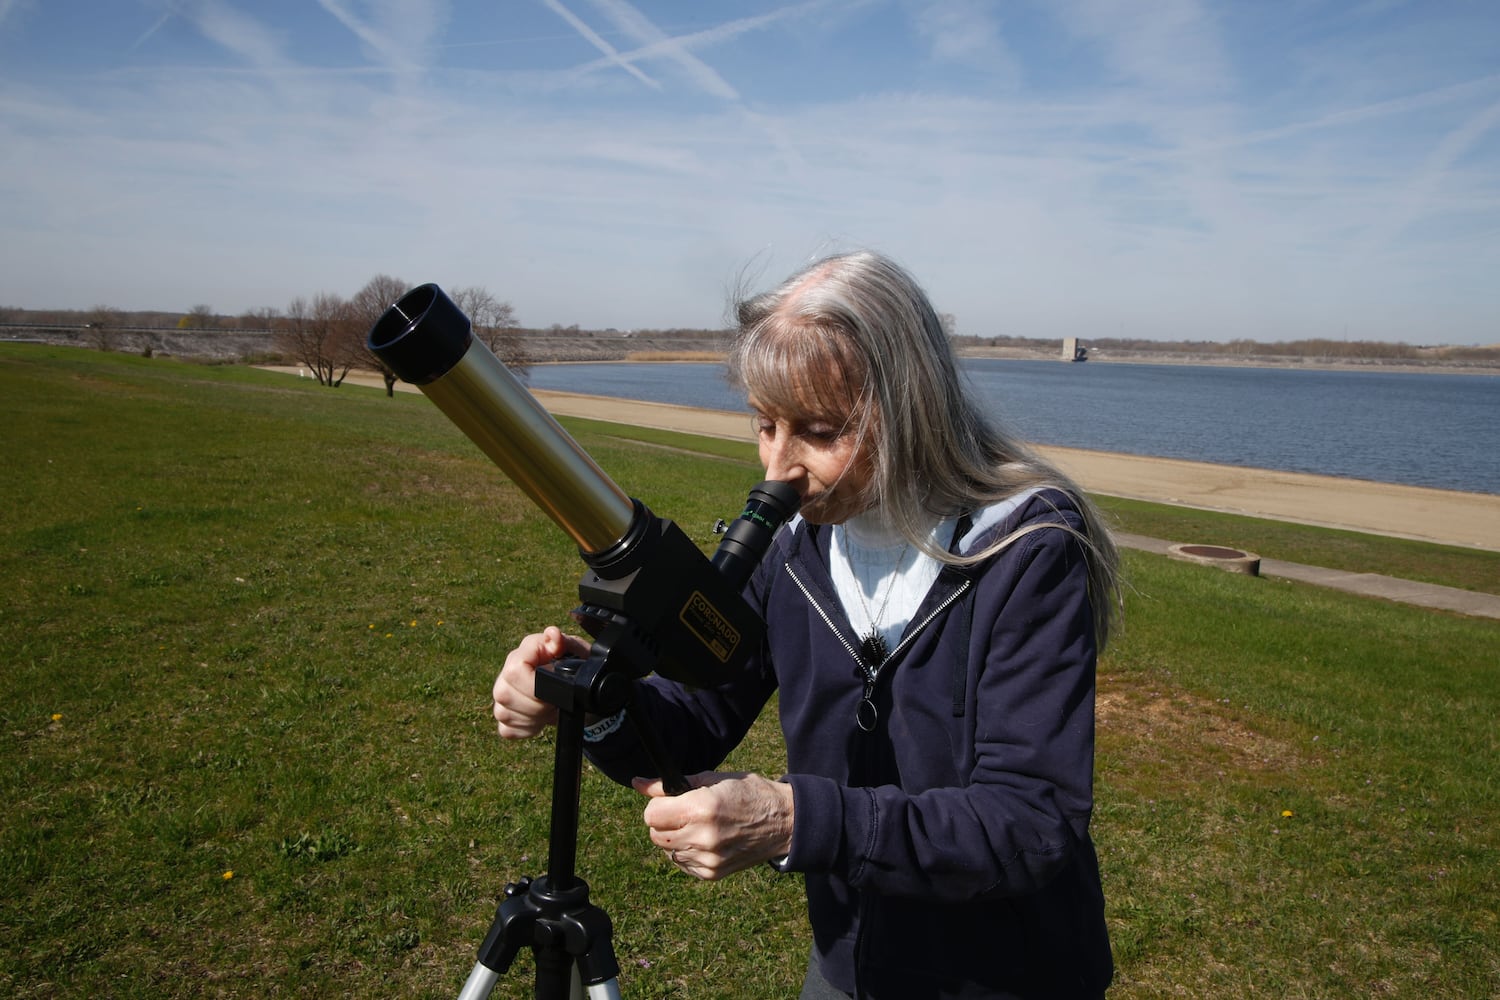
(873, 649)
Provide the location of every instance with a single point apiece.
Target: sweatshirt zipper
(946, 603)
(870, 678)
(864, 716)
(823, 614)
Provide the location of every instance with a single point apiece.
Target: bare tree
(367, 306)
(263, 318)
(318, 334)
(104, 324)
(295, 331)
(199, 317)
(495, 324)
(332, 314)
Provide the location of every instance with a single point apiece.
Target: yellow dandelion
(413, 624)
(228, 875)
(1286, 814)
(56, 716)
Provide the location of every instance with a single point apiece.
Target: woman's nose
(780, 457)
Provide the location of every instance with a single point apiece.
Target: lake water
(1421, 429)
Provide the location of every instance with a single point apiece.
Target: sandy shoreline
(1452, 518)
(1471, 520)
(1385, 508)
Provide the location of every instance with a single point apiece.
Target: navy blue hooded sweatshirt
(946, 853)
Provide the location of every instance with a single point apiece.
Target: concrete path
(1427, 595)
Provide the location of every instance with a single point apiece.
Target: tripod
(568, 935)
(651, 599)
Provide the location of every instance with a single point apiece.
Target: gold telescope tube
(428, 341)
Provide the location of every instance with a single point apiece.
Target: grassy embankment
(245, 747)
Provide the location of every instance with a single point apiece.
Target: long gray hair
(879, 355)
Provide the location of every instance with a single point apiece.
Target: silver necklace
(873, 648)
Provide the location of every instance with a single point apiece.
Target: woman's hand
(520, 713)
(724, 824)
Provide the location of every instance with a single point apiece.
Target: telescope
(649, 597)
(642, 568)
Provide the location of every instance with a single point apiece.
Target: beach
(1471, 520)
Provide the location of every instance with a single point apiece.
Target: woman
(933, 619)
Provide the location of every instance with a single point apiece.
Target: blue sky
(1167, 169)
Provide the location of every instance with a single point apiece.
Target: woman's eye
(822, 432)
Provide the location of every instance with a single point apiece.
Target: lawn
(245, 745)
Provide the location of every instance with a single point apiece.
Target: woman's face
(826, 457)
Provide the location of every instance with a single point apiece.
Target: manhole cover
(1213, 552)
(1219, 556)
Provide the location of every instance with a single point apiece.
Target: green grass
(251, 625)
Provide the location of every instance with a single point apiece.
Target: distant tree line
(1350, 350)
(324, 334)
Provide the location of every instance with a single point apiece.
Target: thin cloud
(964, 32)
(9, 7)
(640, 28)
(146, 35)
(235, 31)
(1179, 48)
(611, 54)
(401, 38)
(679, 46)
(1424, 187)
(1340, 118)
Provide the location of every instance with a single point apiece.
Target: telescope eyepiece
(748, 537)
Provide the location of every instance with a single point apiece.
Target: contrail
(138, 42)
(600, 44)
(394, 57)
(643, 30)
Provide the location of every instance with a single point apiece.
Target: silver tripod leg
(607, 990)
(482, 981)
